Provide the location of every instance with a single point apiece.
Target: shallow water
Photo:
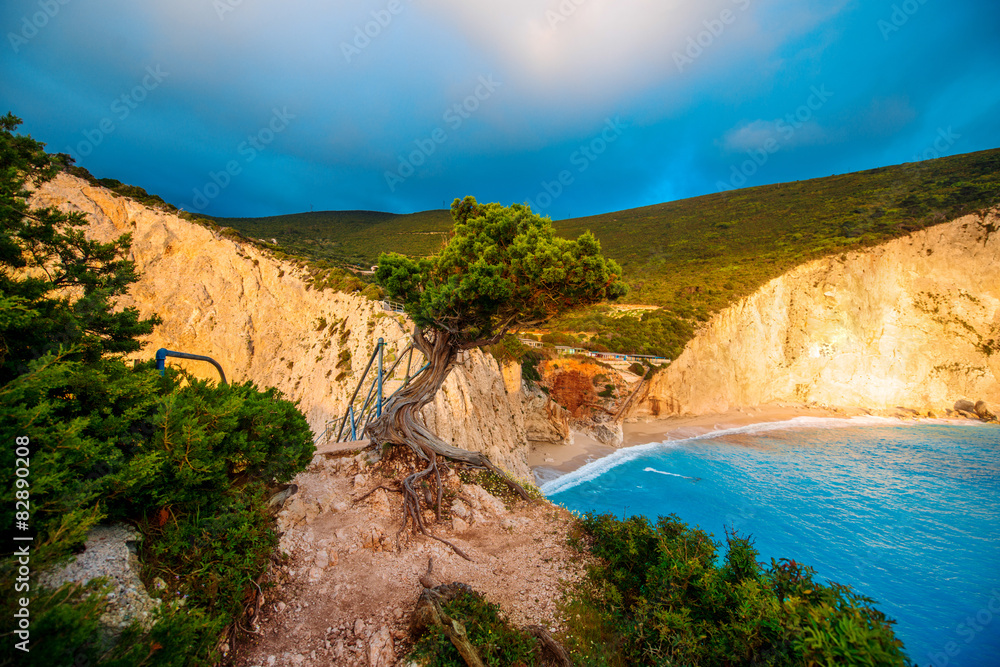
(907, 514)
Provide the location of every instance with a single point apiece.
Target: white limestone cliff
(914, 322)
(261, 320)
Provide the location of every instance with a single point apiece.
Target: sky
(577, 107)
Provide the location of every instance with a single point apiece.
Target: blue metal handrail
(163, 353)
(375, 399)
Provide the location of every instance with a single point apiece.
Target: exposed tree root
(380, 486)
(411, 505)
(550, 644)
(401, 424)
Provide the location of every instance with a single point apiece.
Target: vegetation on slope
(695, 256)
(350, 238)
(699, 255)
(98, 440)
(659, 595)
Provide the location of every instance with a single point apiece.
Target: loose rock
(965, 406)
(983, 412)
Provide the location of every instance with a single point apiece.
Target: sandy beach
(582, 449)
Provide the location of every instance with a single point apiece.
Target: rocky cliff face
(261, 320)
(914, 322)
(480, 408)
(585, 396)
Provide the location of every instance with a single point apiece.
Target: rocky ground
(344, 594)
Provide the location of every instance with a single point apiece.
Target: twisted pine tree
(502, 269)
(57, 287)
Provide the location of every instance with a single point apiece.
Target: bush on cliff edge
(658, 596)
(186, 461)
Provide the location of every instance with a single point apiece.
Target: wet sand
(547, 459)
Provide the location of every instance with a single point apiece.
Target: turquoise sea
(905, 513)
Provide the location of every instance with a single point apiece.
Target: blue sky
(237, 108)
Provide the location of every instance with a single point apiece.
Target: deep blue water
(907, 514)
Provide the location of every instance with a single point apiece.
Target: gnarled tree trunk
(402, 424)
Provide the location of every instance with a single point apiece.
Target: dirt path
(345, 594)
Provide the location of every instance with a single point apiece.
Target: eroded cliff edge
(914, 322)
(260, 318)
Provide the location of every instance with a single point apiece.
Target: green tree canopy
(109, 440)
(502, 268)
(57, 288)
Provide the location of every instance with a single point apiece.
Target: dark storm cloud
(579, 106)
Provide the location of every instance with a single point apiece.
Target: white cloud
(783, 132)
(596, 46)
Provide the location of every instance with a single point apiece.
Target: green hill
(705, 252)
(349, 237)
(694, 256)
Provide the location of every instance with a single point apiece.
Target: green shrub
(498, 642)
(373, 292)
(181, 636)
(508, 350)
(109, 442)
(560, 338)
(529, 367)
(660, 590)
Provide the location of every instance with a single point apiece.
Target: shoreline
(548, 460)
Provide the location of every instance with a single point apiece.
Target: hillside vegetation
(695, 256)
(704, 253)
(350, 237)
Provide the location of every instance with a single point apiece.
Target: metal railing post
(355, 395)
(378, 404)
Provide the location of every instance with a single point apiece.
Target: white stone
(458, 508)
(482, 499)
(380, 649)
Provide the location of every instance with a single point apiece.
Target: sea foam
(595, 469)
